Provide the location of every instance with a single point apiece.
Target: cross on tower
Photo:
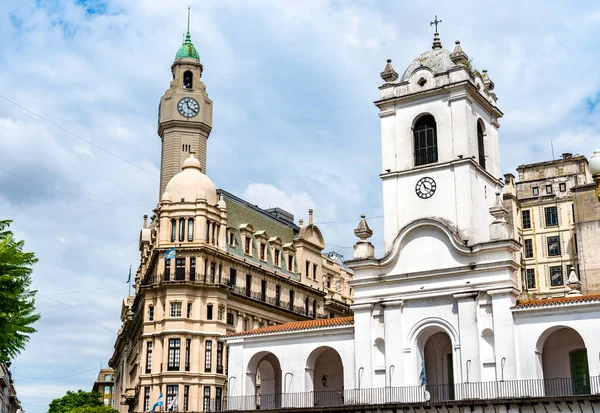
(436, 21)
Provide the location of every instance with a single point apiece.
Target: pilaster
(469, 336)
(393, 342)
(504, 335)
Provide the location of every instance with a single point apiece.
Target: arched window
(480, 145)
(425, 140)
(188, 80)
(181, 229)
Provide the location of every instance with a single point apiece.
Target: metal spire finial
(188, 30)
(436, 22)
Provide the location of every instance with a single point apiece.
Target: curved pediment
(427, 244)
(312, 234)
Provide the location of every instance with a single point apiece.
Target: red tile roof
(298, 325)
(557, 301)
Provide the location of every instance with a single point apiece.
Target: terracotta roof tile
(556, 301)
(298, 325)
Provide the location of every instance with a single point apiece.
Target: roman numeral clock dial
(425, 187)
(188, 107)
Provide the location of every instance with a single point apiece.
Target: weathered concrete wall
(587, 228)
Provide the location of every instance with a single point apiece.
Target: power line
(76, 307)
(347, 220)
(67, 193)
(82, 291)
(55, 378)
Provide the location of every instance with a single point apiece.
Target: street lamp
(595, 170)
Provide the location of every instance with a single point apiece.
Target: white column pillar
(393, 343)
(504, 335)
(362, 345)
(469, 337)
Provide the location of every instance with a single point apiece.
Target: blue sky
(293, 85)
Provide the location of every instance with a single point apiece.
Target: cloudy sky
(294, 126)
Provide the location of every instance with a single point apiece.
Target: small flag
(129, 278)
(423, 375)
(159, 403)
(173, 404)
(169, 254)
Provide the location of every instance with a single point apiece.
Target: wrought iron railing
(223, 282)
(496, 390)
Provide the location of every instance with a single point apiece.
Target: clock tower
(184, 114)
(439, 134)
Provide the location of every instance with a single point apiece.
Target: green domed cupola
(187, 49)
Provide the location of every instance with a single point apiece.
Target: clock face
(188, 107)
(425, 187)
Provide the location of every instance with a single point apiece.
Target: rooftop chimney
(145, 221)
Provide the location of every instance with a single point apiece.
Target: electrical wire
(75, 307)
(83, 291)
(56, 378)
(67, 193)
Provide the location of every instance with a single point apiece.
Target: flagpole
(129, 293)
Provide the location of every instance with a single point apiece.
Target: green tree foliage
(93, 409)
(79, 401)
(17, 300)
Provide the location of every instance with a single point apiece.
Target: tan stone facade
(542, 208)
(587, 228)
(104, 385)
(211, 264)
(9, 403)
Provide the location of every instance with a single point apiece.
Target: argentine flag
(159, 403)
(169, 254)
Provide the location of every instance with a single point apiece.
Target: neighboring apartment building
(104, 385)
(211, 264)
(9, 403)
(543, 215)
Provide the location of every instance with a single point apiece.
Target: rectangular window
(150, 313)
(227, 360)
(528, 247)
(180, 269)
(231, 239)
(193, 269)
(148, 357)
(526, 219)
(189, 309)
(188, 344)
(232, 277)
(306, 306)
(175, 309)
(186, 398)
(535, 191)
(263, 247)
(229, 318)
(207, 355)
(307, 269)
(553, 246)
(556, 276)
(173, 230)
(147, 398)
(551, 216)
(218, 397)
(190, 229)
(220, 357)
(221, 313)
(174, 354)
(548, 189)
(530, 278)
(247, 245)
(206, 399)
(248, 284)
(107, 377)
(209, 312)
(172, 390)
(245, 324)
(277, 295)
(263, 290)
(562, 187)
(292, 300)
(168, 269)
(576, 246)
(290, 263)
(315, 267)
(106, 389)
(276, 259)
(181, 229)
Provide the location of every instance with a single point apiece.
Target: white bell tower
(439, 135)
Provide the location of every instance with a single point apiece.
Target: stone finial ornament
(500, 228)
(487, 82)
(363, 249)
(363, 231)
(573, 283)
(437, 43)
(389, 75)
(458, 56)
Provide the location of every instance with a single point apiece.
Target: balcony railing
(497, 390)
(223, 282)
